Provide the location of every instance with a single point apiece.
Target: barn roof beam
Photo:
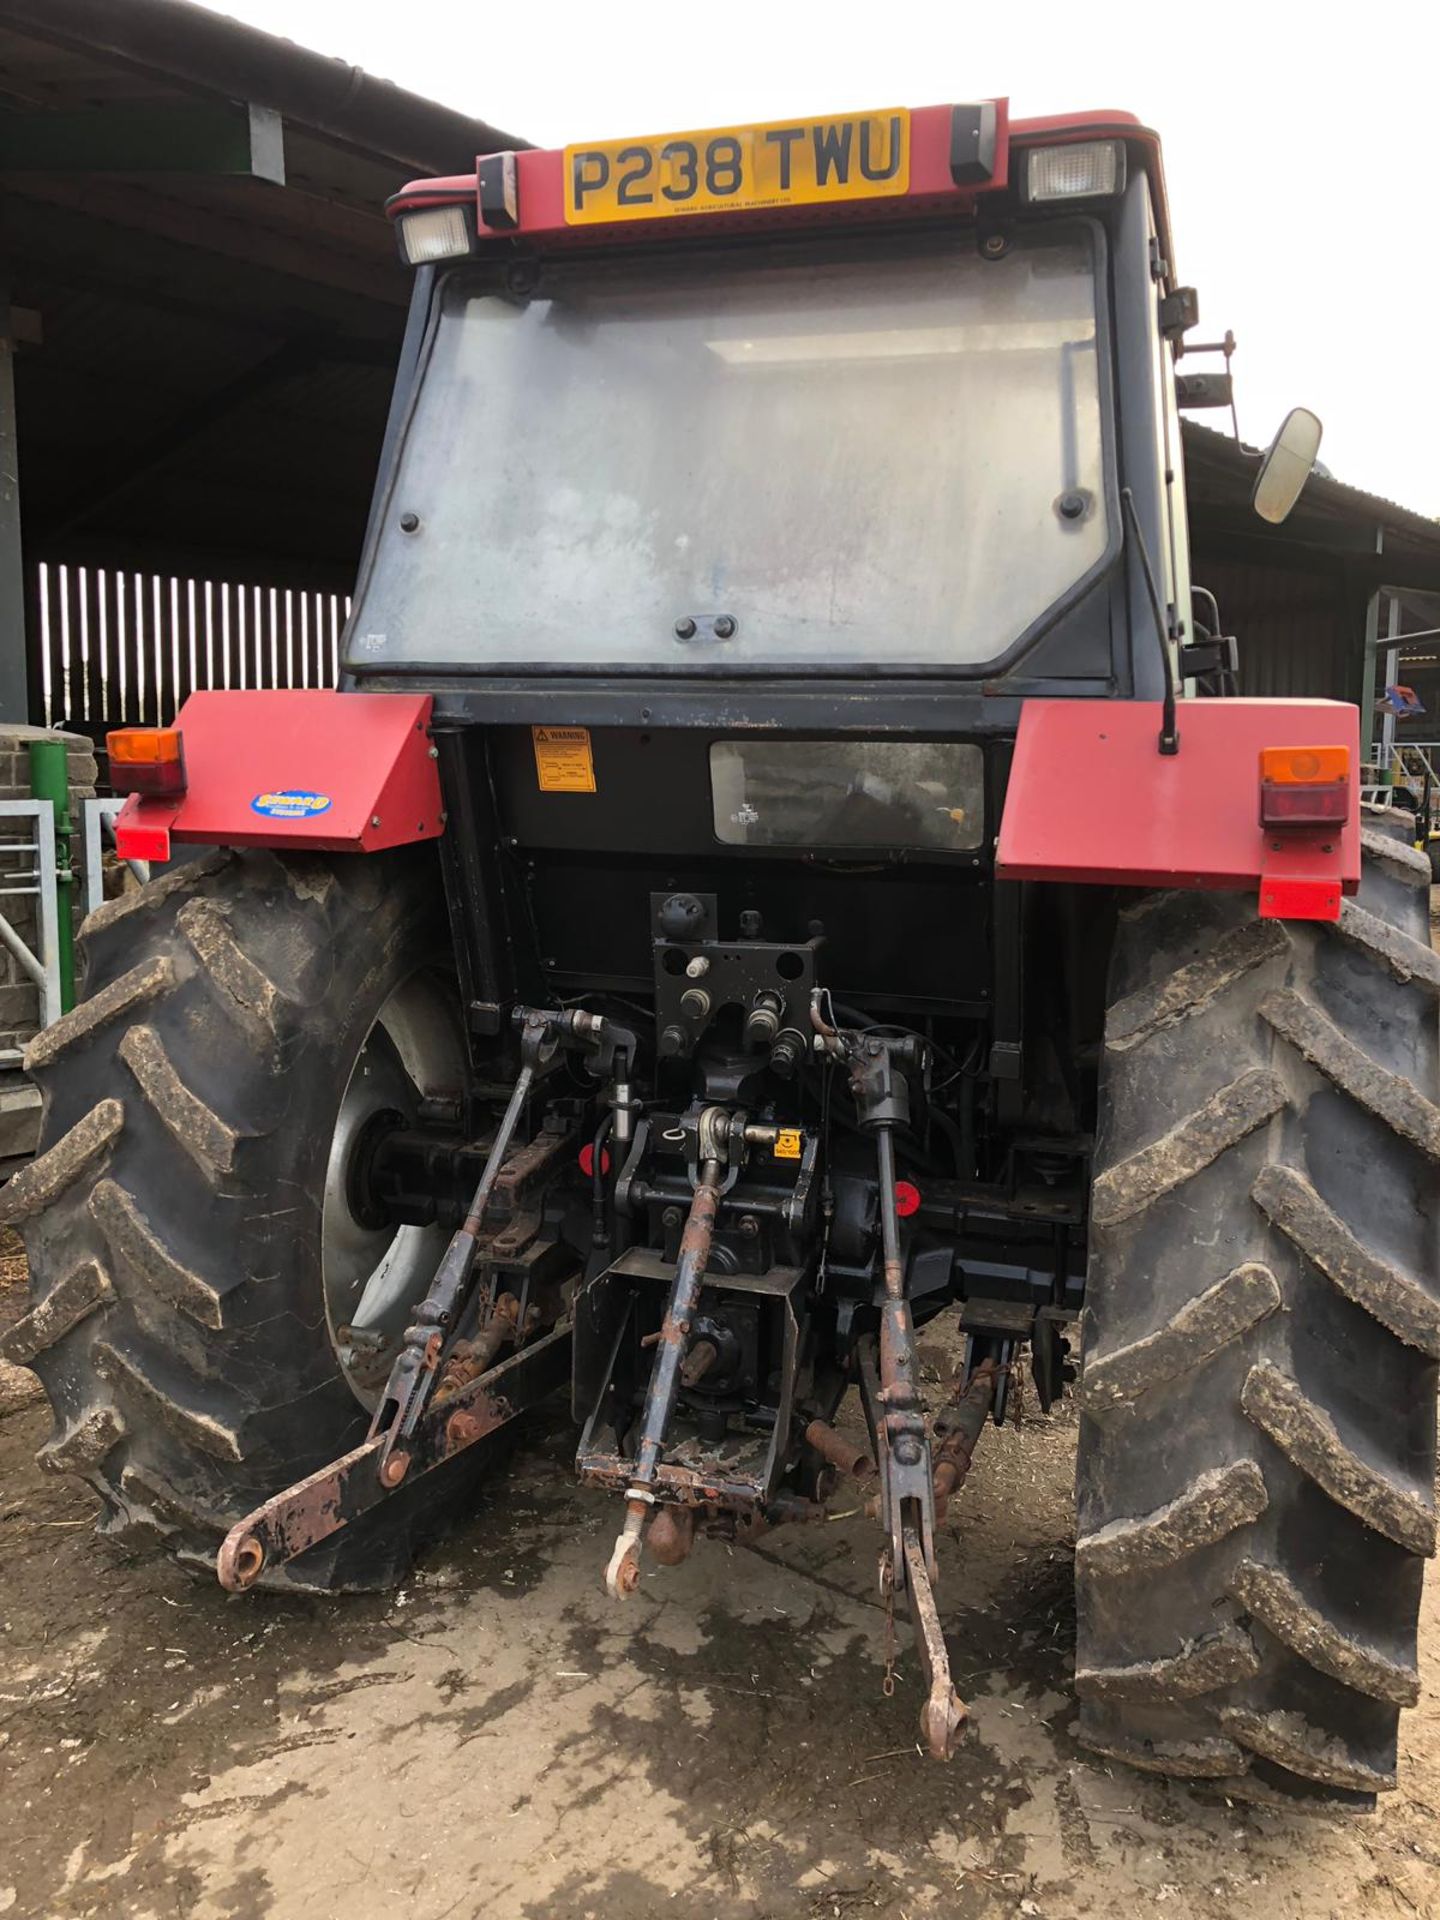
(185, 137)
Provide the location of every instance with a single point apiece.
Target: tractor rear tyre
(208, 1315)
(1257, 1447)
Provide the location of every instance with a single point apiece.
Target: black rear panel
(588, 863)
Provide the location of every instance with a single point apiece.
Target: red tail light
(1304, 786)
(146, 760)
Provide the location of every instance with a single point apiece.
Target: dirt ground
(498, 1738)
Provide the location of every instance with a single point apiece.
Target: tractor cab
(831, 400)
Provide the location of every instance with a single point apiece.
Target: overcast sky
(1301, 145)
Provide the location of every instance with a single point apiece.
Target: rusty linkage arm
(958, 1429)
(543, 1036)
(319, 1506)
(443, 1394)
(878, 1065)
(713, 1132)
(417, 1366)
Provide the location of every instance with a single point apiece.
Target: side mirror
(1288, 465)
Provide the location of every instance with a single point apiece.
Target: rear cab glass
(893, 457)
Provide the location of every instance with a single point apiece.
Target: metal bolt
(434, 753)
(749, 1227)
(685, 628)
(671, 1217)
(994, 245)
(725, 626)
(1072, 506)
(462, 1430)
(374, 819)
(907, 1450)
(409, 523)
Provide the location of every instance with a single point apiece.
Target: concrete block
(19, 1005)
(19, 1115)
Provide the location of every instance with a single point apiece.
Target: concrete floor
(499, 1739)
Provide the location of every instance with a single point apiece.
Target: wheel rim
(373, 1275)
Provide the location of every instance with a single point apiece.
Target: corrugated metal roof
(216, 351)
(89, 52)
(1204, 447)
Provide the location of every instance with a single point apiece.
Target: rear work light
(146, 760)
(435, 233)
(1304, 786)
(1084, 170)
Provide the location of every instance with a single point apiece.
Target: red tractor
(786, 863)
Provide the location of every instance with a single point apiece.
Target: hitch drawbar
(680, 1467)
(668, 1500)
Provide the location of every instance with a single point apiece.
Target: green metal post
(50, 780)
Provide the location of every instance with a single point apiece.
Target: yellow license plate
(786, 163)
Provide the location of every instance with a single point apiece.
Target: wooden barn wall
(1300, 632)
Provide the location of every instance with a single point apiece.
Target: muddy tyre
(1257, 1448)
(191, 1260)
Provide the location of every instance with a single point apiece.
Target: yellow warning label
(563, 761)
(787, 1144)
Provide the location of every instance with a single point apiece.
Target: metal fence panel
(124, 649)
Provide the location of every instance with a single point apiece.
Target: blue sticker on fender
(290, 804)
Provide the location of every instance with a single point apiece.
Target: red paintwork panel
(1091, 799)
(540, 190)
(325, 771)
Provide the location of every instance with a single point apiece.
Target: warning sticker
(563, 761)
(787, 1144)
